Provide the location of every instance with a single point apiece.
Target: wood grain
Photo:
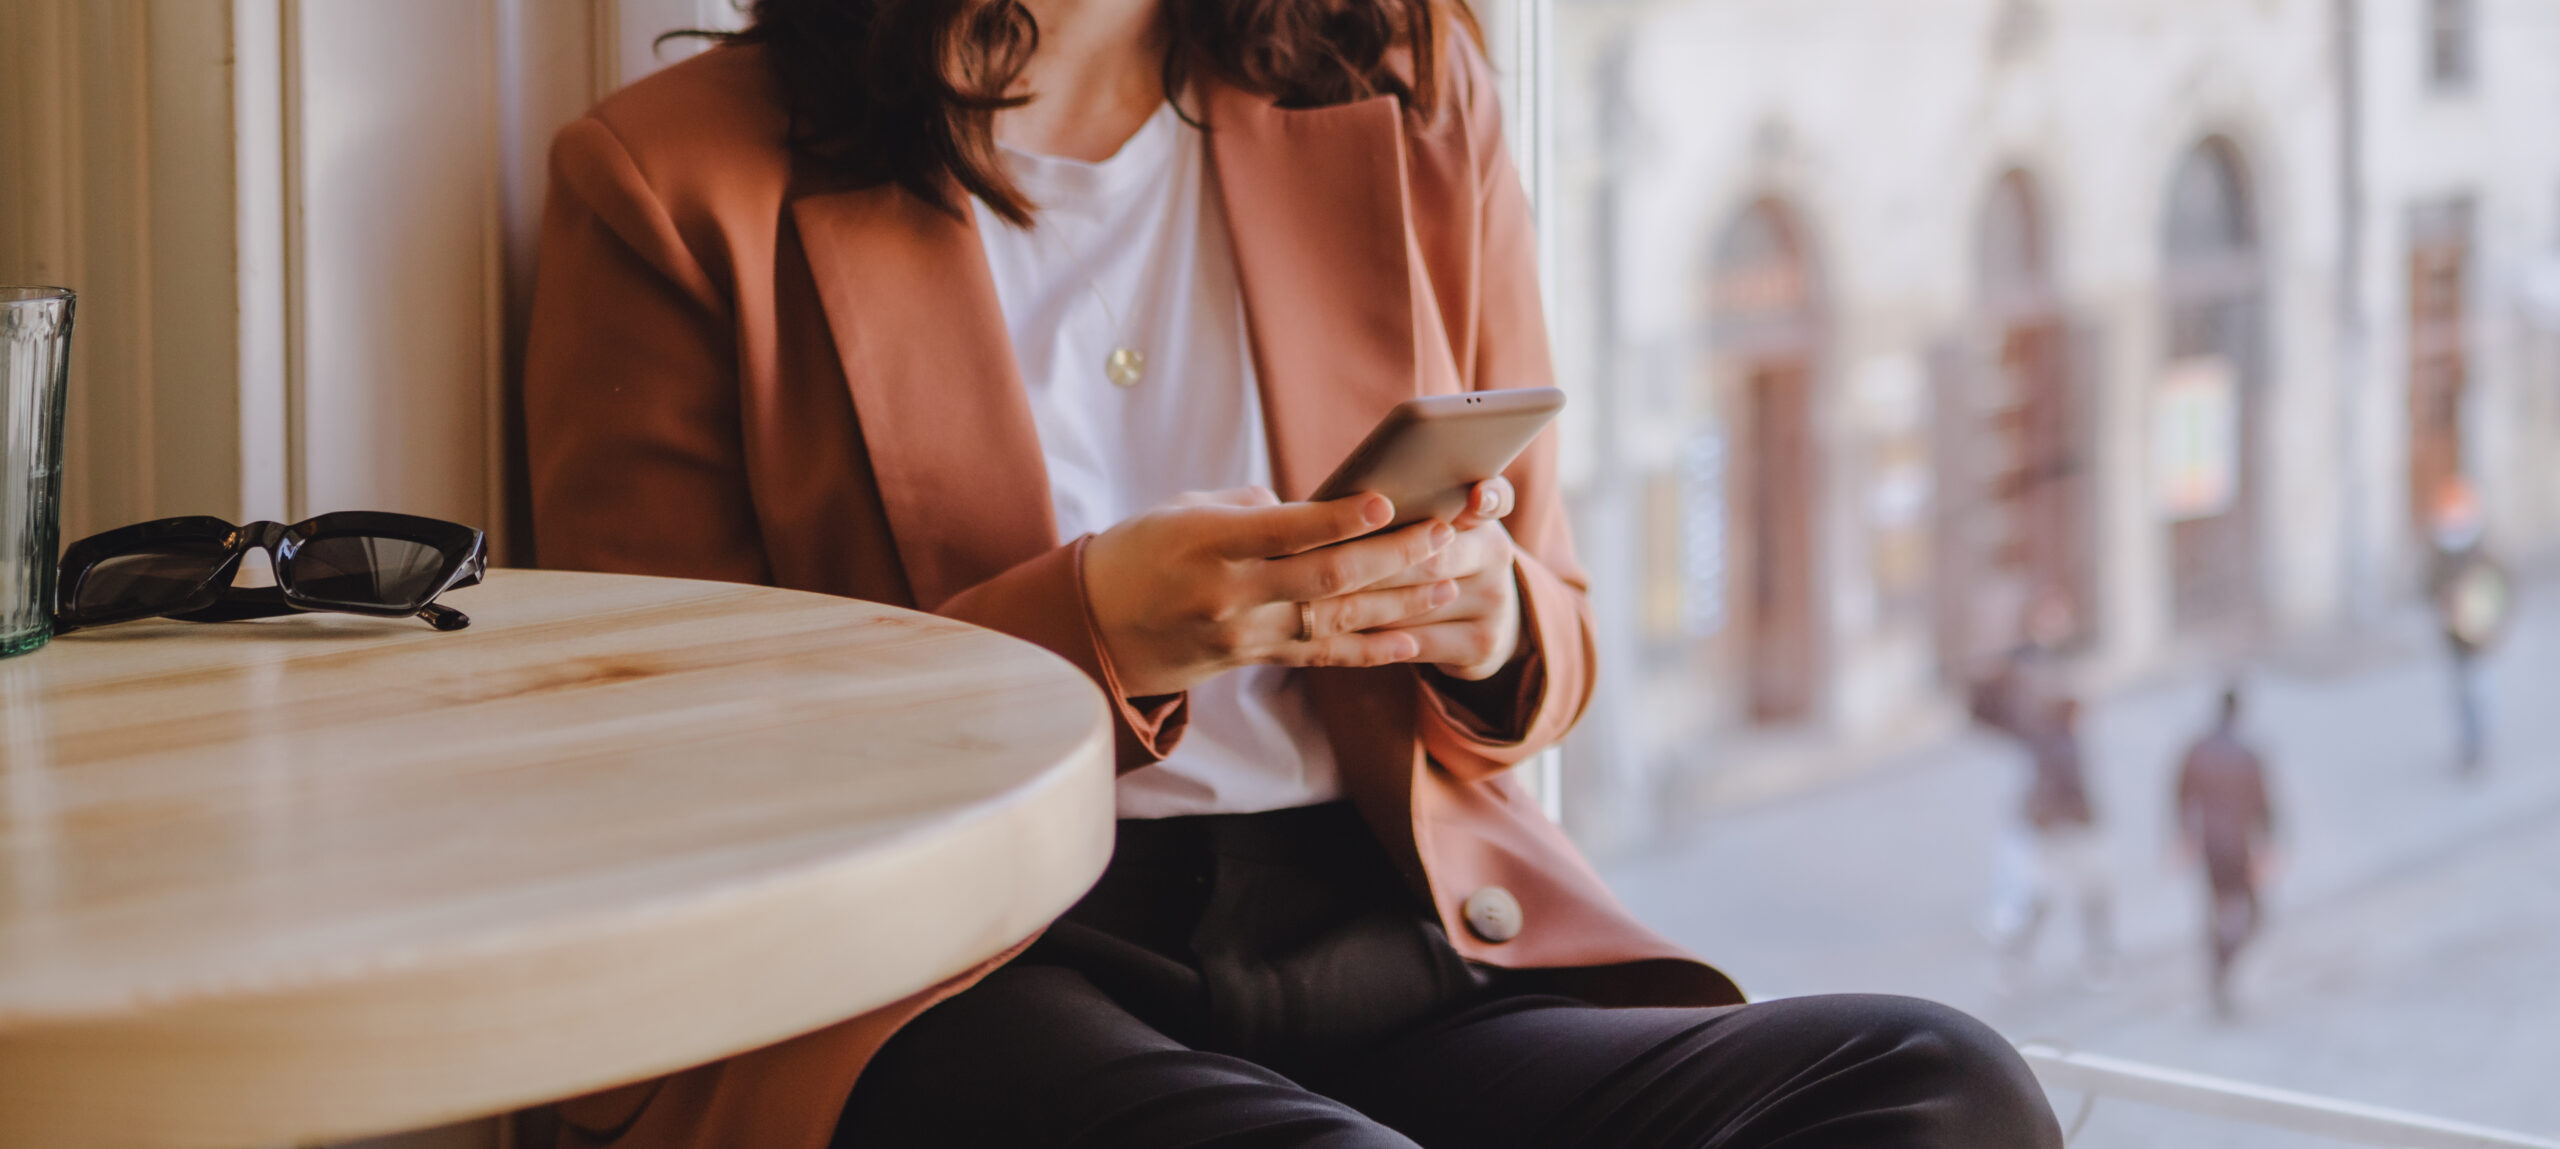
(327, 876)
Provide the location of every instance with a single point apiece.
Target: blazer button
(1493, 914)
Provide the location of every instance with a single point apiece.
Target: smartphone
(1427, 452)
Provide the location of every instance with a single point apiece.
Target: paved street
(2412, 953)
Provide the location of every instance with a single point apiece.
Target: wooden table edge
(536, 1015)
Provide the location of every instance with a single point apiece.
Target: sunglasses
(350, 562)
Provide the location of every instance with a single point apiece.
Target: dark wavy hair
(906, 91)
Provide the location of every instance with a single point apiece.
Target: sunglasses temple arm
(443, 617)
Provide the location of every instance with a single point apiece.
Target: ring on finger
(1306, 622)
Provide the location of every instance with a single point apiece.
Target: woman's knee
(1944, 1059)
(1933, 1026)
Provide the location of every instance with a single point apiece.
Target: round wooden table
(328, 876)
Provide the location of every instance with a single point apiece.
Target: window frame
(2452, 46)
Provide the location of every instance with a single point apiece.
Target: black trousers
(1250, 981)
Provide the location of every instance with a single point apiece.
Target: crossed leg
(1036, 1056)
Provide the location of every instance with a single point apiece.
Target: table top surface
(270, 854)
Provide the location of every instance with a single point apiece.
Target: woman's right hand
(1210, 582)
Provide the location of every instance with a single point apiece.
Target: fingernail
(1442, 592)
(1441, 534)
(1485, 500)
(1410, 647)
(1377, 511)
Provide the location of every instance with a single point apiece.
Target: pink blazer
(740, 371)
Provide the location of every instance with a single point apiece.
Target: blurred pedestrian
(2018, 694)
(2224, 816)
(2054, 854)
(2471, 596)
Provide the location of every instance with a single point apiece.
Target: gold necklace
(1125, 365)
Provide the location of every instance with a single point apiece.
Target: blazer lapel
(1315, 203)
(913, 310)
(1344, 327)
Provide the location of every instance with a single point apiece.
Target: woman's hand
(1211, 582)
(1474, 634)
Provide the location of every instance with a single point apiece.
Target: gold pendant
(1125, 366)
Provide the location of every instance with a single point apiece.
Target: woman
(1020, 312)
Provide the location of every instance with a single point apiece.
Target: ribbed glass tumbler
(35, 361)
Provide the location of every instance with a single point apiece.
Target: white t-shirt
(1134, 252)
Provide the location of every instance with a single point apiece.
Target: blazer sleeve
(1044, 601)
(634, 438)
(1553, 670)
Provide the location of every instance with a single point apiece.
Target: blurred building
(1892, 316)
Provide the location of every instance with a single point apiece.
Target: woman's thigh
(1036, 1056)
(1842, 1070)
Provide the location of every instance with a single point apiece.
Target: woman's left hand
(1474, 636)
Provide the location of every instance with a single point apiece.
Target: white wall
(301, 231)
(116, 180)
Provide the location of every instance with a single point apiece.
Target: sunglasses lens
(366, 570)
(148, 580)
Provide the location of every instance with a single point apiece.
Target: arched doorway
(1766, 334)
(2210, 399)
(2012, 525)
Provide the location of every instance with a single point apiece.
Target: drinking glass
(35, 358)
